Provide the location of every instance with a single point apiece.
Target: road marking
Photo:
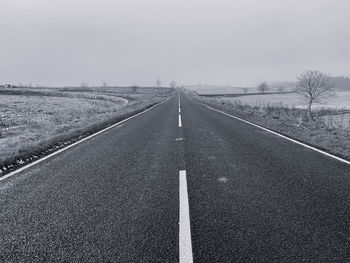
(179, 110)
(278, 134)
(185, 243)
(74, 144)
(179, 139)
(180, 121)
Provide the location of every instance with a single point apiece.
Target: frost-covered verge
(34, 123)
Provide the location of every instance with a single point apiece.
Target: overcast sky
(126, 42)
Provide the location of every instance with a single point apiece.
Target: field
(226, 89)
(33, 120)
(208, 89)
(211, 89)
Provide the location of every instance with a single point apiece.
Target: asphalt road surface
(179, 184)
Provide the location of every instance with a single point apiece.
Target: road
(160, 188)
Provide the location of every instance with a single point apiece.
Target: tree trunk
(309, 110)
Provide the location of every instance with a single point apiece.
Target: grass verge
(33, 125)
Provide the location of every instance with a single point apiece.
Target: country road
(179, 183)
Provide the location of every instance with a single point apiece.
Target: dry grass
(33, 120)
(337, 121)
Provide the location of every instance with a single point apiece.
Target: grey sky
(125, 42)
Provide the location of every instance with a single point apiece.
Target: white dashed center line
(185, 243)
(180, 120)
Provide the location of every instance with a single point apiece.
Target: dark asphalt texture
(253, 196)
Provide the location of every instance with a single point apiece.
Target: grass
(328, 130)
(33, 121)
(337, 121)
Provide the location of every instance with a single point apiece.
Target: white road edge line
(73, 144)
(180, 121)
(278, 134)
(185, 242)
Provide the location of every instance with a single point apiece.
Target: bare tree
(263, 87)
(173, 84)
(134, 88)
(158, 83)
(280, 88)
(245, 90)
(314, 86)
